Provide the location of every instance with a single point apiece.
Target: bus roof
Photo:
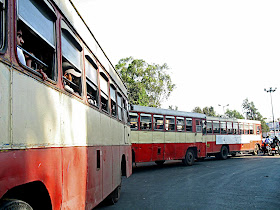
(137, 108)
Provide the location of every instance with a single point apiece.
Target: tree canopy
(234, 114)
(209, 111)
(252, 113)
(148, 84)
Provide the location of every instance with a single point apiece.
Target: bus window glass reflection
(145, 121)
(158, 122)
(180, 124)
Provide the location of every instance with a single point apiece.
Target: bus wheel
(14, 204)
(159, 162)
(189, 158)
(114, 196)
(224, 153)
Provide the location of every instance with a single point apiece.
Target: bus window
(158, 122)
(216, 127)
(71, 60)
(113, 101)
(91, 81)
(229, 128)
(104, 92)
(258, 129)
(246, 128)
(125, 112)
(133, 121)
(120, 110)
(223, 127)
(145, 122)
(251, 129)
(198, 124)
(2, 24)
(241, 129)
(189, 124)
(209, 127)
(180, 124)
(169, 123)
(235, 128)
(36, 25)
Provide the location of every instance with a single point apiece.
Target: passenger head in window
(68, 74)
(25, 57)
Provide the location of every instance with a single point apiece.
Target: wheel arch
(34, 193)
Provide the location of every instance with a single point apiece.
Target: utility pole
(270, 90)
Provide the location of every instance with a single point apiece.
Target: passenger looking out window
(25, 57)
(36, 26)
(69, 77)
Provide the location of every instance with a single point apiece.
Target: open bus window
(216, 127)
(235, 128)
(189, 124)
(251, 129)
(133, 121)
(2, 23)
(209, 127)
(91, 80)
(145, 122)
(258, 129)
(71, 60)
(125, 112)
(229, 128)
(120, 110)
(246, 128)
(36, 23)
(198, 124)
(241, 129)
(113, 101)
(158, 122)
(170, 123)
(104, 92)
(223, 128)
(180, 124)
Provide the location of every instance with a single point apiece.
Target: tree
(173, 108)
(148, 84)
(234, 114)
(209, 111)
(252, 113)
(197, 109)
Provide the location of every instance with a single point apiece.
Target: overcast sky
(218, 51)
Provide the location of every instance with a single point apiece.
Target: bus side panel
(212, 147)
(107, 164)
(143, 152)
(170, 151)
(126, 150)
(94, 180)
(158, 152)
(25, 166)
(74, 177)
(5, 106)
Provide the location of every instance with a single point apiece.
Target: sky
(218, 51)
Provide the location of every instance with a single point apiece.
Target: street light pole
(223, 108)
(269, 91)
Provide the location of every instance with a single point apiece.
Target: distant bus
(160, 134)
(64, 140)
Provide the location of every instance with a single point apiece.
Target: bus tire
(114, 196)
(189, 158)
(159, 162)
(14, 204)
(224, 153)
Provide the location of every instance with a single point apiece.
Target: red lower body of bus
(69, 177)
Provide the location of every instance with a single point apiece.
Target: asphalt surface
(245, 182)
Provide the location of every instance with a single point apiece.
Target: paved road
(246, 182)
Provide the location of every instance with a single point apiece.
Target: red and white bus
(64, 140)
(160, 134)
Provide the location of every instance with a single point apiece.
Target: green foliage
(173, 108)
(197, 109)
(252, 113)
(209, 111)
(148, 84)
(234, 114)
